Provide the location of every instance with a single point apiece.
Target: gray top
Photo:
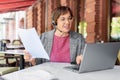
(77, 43)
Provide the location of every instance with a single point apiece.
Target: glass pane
(115, 30)
(82, 28)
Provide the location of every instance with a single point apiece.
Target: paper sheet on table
(32, 43)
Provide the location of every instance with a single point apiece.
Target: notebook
(97, 56)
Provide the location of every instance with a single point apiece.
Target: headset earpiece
(54, 23)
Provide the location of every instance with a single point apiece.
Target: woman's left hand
(78, 59)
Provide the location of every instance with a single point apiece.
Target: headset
(55, 24)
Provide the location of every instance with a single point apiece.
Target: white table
(49, 70)
(13, 47)
(12, 52)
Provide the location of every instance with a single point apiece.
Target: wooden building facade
(96, 13)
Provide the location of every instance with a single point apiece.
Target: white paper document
(32, 43)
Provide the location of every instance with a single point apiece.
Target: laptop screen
(99, 56)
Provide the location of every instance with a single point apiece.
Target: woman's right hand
(28, 57)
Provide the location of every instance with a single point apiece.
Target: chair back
(17, 42)
(7, 41)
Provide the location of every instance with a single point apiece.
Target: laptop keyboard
(74, 67)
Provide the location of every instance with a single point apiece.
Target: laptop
(96, 57)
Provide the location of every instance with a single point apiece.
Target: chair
(17, 42)
(8, 59)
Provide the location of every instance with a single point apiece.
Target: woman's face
(64, 22)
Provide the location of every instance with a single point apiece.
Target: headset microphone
(55, 26)
(59, 30)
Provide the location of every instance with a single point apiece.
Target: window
(9, 24)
